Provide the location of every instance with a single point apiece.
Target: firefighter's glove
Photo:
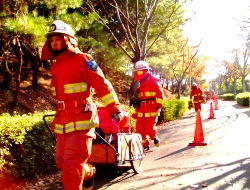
(118, 117)
(158, 106)
(190, 104)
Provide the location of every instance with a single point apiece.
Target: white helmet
(141, 65)
(60, 27)
(194, 84)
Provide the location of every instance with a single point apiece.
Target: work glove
(117, 117)
(190, 104)
(158, 106)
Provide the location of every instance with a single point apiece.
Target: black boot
(157, 142)
(89, 184)
(146, 148)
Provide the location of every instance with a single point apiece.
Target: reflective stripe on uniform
(83, 125)
(199, 94)
(159, 100)
(198, 101)
(73, 126)
(69, 127)
(108, 99)
(147, 94)
(147, 114)
(58, 129)
(75, 88)
(53, 90)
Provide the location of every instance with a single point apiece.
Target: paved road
(224, 164)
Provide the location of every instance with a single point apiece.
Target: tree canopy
(117, 32)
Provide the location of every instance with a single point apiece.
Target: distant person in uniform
(146, 96)
(213, 95)
(196, 96)
(214, 98)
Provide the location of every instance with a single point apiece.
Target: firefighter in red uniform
(213, 95)
(147, 98)
(214, 98)
(197, 96)
(74, 76)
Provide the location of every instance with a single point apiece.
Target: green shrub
(27, 149)
(228, 96)
(172, 109)
(243, 98)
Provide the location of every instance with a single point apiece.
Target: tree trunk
(234, 87)
(178, 90)
(244, 89)
(35, 62)
(227, 86)
(2, 2)
(7, 75)
(18, 73)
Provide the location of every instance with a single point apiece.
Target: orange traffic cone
(211, 115)
(198, 134)
(216, 104)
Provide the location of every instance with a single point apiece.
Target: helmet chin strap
(58, 52)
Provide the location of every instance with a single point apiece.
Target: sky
(216, 24)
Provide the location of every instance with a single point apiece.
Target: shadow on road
(176, 152)
(105, 176)
(231, 177)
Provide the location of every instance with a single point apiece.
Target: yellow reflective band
(139, 114)
(69, 127)
(144, 140)
(108, 99)
(148, 114)
(139, 72)
(72, 126)
(58, 129)
(147, 94)
(160, 101)
(199, 94)
(83, 125)
(150, 93)
(53, 90)
(154, 114)
(75, 88)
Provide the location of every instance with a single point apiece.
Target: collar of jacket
(145, 78)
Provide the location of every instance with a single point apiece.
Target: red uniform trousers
(197, 106)
(146, 126)
(72, 151)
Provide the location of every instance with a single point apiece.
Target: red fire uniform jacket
(197, 95)
(75, 77)
(151, 97)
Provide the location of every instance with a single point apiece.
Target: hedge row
(227, 97)
(241, 98)
(172, 109)
(26, 147)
